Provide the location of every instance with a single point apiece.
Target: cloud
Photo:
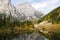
(52, 1)
(39, 5)
(47, 4)
(44, 5)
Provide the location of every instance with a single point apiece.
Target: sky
(40, 5)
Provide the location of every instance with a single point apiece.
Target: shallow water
(32, 36)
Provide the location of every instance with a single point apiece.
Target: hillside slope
(53, 16)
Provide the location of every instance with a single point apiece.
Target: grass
(51, 31)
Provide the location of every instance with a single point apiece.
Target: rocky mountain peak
(7, 8)
(4, 2)
(28, 11)
(21, 11)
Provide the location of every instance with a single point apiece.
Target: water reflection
(33, 36)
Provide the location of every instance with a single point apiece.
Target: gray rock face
(21, 12)
(27, 11)
(7, 7)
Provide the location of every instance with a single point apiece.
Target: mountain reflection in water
(32, 36)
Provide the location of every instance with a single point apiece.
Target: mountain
(8, 8)
(53, 16)
(22, 11)
(27, 11)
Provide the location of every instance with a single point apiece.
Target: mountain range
(22, 11)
